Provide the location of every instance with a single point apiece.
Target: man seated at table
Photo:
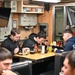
(5, 62)
(69, 40)
(12, 42)
(33, 40)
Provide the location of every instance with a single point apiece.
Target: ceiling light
(49, 1)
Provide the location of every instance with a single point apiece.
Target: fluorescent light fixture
(49, 1)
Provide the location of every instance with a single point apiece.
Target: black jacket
(10, 45)
(30, 42)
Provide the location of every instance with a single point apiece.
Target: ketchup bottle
(35, 48)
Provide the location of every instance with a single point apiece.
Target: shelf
(20, 7)
(33, 6)
(29, 8)
(32, 9)
(26, 13)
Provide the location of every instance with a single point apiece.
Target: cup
(61, 73)
(25, 51)
(39, 48)
(43, 49)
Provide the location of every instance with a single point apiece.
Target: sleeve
(59, 51)
(25, 44)
(7, 46)
(28, 44)
(68, 46)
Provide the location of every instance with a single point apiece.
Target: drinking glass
(61, 73)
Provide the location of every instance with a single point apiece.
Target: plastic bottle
(50, 49)
(35, 48)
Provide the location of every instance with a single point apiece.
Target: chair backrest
(59, 58)
(23, 68)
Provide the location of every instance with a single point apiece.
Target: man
(69, 40)
(5, 62)
(11, 43)
(34, 39)
(69, 64)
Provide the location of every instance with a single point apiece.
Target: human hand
(46, 42)
(16, 50)
(25, 50)
(8, 72)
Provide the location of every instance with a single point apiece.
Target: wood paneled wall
(1, 3)
(46, 18)
(24, 33)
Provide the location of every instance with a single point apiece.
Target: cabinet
(32, 9)
(29, 8)
(20, 7)
(27, 19)
(27, 14)
(12, 5)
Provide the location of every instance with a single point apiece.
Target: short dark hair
(68, 31)
(5, 54)
(41, 34)
(71, 58)
(14, 31)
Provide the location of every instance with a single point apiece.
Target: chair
(23, 68)
(59, 58)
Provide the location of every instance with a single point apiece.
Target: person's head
(41, 36)
(5, 59)
(67, 34)
(15, 34)
(69, 64)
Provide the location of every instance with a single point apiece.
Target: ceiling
(67, 0)
(32, 0)
(63, 0)
(39, 3)
(35, 1)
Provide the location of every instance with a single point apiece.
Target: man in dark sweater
(69, 40)
(34, 39)
(11, 43)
